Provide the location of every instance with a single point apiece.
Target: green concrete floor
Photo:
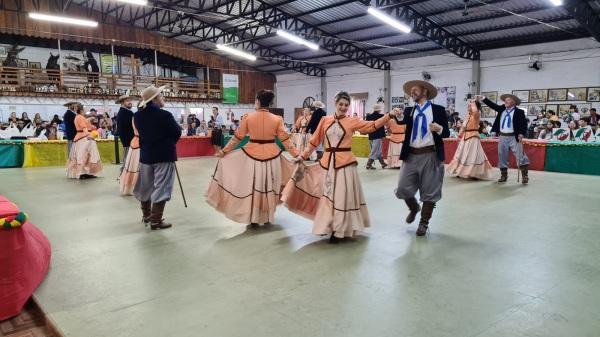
(500, 261)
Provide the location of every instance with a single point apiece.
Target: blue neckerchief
(420, 115)
(507, 120)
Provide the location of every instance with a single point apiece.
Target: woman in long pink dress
(84, 160)
(470, 160)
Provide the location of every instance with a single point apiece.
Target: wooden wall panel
(129, 36)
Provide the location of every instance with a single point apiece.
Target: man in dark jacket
(159, 133)
(69, 120)
(376, 139)
(124, 124)
(511, 126)
(318, 113)
(422, 153)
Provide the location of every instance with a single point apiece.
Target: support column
(324, 90)
(387, 90)
(475, 77)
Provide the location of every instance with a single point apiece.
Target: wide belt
(507, 134)
(338, 149)
(422, 150)
(398, 133)
(469, 130)
(262, 141)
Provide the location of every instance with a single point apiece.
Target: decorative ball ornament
(13, 221)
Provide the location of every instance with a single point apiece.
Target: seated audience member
(483, 131)
(191, 130)
(594, 118)
(37, 119)
(56, 120)
(546, 131)
(25, 119)
(552, 116)
(583, 123)
(202, 130)
(573, 126)
(12, 120)
(234, 126)
(52, 131)
(40, 129)
(108, 122)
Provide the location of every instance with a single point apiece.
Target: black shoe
(333, 239)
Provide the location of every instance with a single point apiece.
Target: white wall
(565, 64)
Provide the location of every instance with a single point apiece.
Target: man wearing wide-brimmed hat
(69, 121)
(158, 134)
(511, 126)
(376, 139)
(422, 153)
(318, 109)
(125, 124)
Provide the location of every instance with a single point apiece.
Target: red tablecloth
(194, 146)
(24, 261)
(534, 149)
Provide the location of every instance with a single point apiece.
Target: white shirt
(219, 120)
(504, 125)
(427, 139)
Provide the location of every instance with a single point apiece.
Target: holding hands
(434, 127)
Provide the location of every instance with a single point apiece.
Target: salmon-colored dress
(301, 137)
(470, 160)
(246, 185)
(330, 193)
(84, 158)
(131, 169)
(396, 132)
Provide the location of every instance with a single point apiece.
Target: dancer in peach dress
(246, 185)
(131, 167)
(396, 129)
(301, 136)
(331, 194)
(84, 159)
(470, 160)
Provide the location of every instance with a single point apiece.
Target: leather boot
(525, 173)
(146, 211)
(414, 208)
(382, 162)
(156, 219)
(333, 239)
(426, 213)
(503, 175)
(370, 164)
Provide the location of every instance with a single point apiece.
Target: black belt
(472, 130)
(422, 150)
(398, 133)
(338, 149)
(262, 141)
(507, 134)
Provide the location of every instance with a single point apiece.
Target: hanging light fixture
(63, 19)
(135, 2)
(297, 39)
(236, 52)
(389, 20)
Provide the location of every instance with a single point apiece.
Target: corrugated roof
(345, 22)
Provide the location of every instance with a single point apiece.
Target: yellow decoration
(54, 152)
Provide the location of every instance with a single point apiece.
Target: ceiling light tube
(63, 19)
(297, 39)
(135, 2)
(389, 20)
(556, 2)
(236, 52)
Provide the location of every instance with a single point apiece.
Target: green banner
(231, 90)
(106, 61)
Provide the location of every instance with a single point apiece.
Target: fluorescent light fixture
(63, 19)
(389, 20)
(556, 2)
(297, 39)
(135, 2)
(236, 52)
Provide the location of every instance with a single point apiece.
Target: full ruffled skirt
(247, 190)
(130, 173)
(393, 157)
(332, 198)
(84, 159)
(470, 161)
(300, 142)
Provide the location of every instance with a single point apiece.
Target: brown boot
(413, 206)
(370, 164)
(146, 211)
(525, 173)
(156, 219)
(426, 213)
(503, 175)
(382, 162)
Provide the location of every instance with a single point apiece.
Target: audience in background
(594, 118)
(202, 130)
(13, 119)
(56, 120)
(37, 120)
(573, 126)
(192, 128)
(25, 119)
(483, 131)
(545, 129)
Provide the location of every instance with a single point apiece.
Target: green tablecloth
(11, 153)
(573, 157)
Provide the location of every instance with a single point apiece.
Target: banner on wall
(106, 62)
(231, 91)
